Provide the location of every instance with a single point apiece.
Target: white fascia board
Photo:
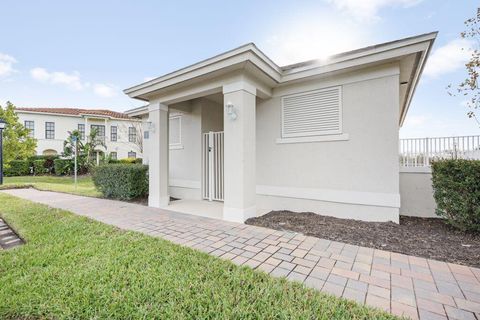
(49, 113)
(137, 111)
(356, 62)
(413, 86)
(362, 52)
(245, 53)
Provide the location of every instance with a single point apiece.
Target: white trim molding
(183, 183)
(324, 138)
(415, 169)
(378, 199)
(239, 85)
(154, 106)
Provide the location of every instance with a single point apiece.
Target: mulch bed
(423, 237)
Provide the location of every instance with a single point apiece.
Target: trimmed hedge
(456, 186)
(39, 167)
(63, 166)
(126, 161)
(17, 168)
(122, 181)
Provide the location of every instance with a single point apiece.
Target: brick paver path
(401, 284)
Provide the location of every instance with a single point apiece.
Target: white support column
(239, 144)
(158, 156)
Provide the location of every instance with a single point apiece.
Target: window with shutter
(312, 113)
(175, 130)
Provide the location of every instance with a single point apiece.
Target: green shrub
(47, 163)
(127, 160)
(122, 181)
(17, 168)
(456, 186)
(39, 167)
(63, 166)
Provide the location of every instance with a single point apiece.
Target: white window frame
(31, 132)
(285, 136)
(178, 145)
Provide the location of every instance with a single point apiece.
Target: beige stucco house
(318, 136)
(121, 135)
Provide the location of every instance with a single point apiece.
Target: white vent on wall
(312, 113)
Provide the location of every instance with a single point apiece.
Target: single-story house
(319, 136)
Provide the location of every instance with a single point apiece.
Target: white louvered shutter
(312, 113)
(175, 127)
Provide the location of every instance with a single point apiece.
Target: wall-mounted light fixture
(231, 111)
(151, 126)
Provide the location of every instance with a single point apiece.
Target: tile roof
(79, 112)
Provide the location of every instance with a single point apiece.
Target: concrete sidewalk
(403, 285)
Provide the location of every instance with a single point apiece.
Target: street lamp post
(2, 126)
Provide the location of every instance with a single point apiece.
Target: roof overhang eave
(248, 53)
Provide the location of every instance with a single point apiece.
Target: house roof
(78, 112)
(411, 52)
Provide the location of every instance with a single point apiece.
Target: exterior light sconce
(151, 126)
(231, 111)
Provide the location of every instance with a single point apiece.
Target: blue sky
(83, 53)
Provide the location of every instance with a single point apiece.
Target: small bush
(128, 160)
(122, 181)
(17, 168)
(456, 185)
(63, 166)
(47, 164)
(39, 167)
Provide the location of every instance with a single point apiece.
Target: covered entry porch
(218, 113)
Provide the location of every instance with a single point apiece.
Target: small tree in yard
(17, 143)
(137, 139)
(84, 152)
(470, 87)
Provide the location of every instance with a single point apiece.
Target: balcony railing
(419, 152)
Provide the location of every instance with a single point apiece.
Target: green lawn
(84, 186)
(76, 268)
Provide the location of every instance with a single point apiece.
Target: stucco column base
(239, 152)
(239, 215)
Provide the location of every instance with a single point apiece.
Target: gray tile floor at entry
(403, 285)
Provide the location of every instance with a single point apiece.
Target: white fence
(419, 152)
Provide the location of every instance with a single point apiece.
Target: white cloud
(105, 90)
(367, 10)
(314, 37)
(72, 81)
(448, 58)
(6, 65)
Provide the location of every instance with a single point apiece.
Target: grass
(84, 187)
(75, 268)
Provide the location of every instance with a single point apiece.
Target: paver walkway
(401, 284)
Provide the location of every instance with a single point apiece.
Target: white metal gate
(212, 166)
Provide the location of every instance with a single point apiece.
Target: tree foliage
(17, 144)
(469, 88)
(85, 151)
